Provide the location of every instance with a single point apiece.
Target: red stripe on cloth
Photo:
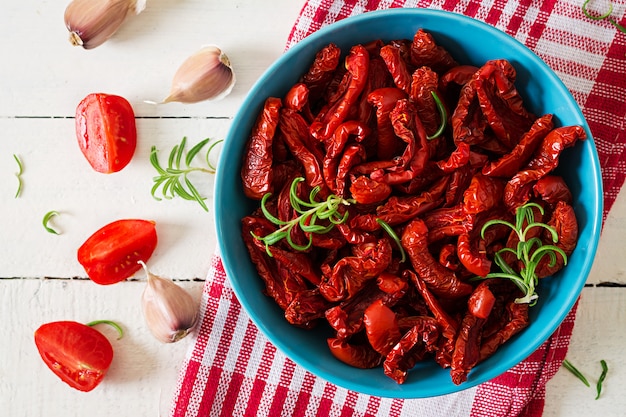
(283, 388)
(234, 386)
(349, 404)
(210, 389)
(209, 396)
(607, 120)
(228, 404)
(372, 407)
(520, 392)
(326, 403)
(260, 381)
(516, 21)
(186, 389)
(471, 8)
(494, 14)
(537, 28)
(304, 395)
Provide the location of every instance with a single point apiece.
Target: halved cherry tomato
(78, 354)
(112, 253)
(106, 131)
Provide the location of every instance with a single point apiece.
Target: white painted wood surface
(42, 79)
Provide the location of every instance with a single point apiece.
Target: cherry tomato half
(112, 253)
(106, 131)
(78, 354)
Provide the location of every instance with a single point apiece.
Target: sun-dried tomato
(439, 280)
(256, 172)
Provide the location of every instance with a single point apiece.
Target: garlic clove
(205, 75)
(92, 22)
(170, 312)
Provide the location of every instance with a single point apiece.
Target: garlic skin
(92, 22)
(170, 312)
(205, 75)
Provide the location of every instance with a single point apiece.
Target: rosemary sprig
(173, 180)
(529, 251)
(309, 213)
(442, 114)
(18, 174)
(46, 220)
(603, 16)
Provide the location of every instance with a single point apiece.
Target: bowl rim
(552, 323)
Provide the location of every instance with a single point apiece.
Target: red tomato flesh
(75, 352)
(112, 253)
(106, 131)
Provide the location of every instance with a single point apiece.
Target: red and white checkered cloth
(232, 369)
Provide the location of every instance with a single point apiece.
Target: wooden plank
(598, 334)
(57, 177)
(142, 376)
(139, 61)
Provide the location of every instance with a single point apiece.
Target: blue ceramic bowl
(470, 42)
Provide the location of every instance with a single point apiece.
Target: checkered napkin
(233, 370)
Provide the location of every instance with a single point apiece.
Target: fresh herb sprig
(603, 16)
(529, 250)
(173, 180)
(309, 212)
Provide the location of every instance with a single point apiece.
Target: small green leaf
(570, 367)
(46, 220)
(443, 115)
(605, 370)
(18, 175)
(113, 324)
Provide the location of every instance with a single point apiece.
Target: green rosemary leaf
(179, 153)
(269, 216)
(443, 115)
(387, 228)
(194, 151)
(46, 220)
(570, 367)
(605, 370)
(196, 195)
(208, 154)
(18, 175)
(113, 324)
(599, 17)
(180, 190)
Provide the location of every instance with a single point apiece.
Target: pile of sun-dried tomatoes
(421, 152)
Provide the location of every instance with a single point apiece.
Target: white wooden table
(42, 79)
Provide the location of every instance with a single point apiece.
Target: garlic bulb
(168, 309)
(92, 22)
(205, 75)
